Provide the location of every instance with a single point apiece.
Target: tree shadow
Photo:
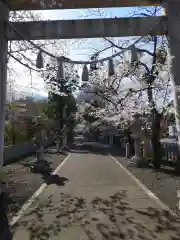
(54, 179)
(99, 147)
(122, 219)
(169, 171)
(140, 164)
(5, 232)
(45, 170)
(53, 152)
(83, 148)
(79, 151)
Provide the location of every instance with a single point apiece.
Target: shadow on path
(168, 170)
(54, 179)
(5, 232)
(122, 220)
(50, 151)
(45, 170)
(90, 148)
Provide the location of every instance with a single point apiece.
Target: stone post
(136, 134)
(111, 140)
(127, 150)
(39, 145)
(146, 144)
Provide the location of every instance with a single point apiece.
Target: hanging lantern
(60, 71)
(85, 74)
(134, 55)
(111, 71)
(39, 60)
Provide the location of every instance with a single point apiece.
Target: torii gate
(90, 28)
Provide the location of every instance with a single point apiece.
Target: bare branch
(145, 66)
(24, 64)
(121, 48)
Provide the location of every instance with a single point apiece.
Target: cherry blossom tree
(23, 53)
(142, 86)
(139, 86)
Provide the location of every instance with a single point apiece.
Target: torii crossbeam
(77, 4)
(88, 28)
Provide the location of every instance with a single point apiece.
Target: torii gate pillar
(173, 35)
(4, 15)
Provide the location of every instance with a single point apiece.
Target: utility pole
(4, 17)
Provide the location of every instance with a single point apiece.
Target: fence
(14, 152)
(169, 149)
(170, 152)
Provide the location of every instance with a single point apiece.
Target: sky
(79, 50)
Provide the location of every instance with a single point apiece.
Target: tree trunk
(155, 140)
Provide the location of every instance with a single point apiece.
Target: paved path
(21, 183)
(94, 198)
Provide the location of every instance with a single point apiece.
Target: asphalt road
(93, 197)
(164, 183)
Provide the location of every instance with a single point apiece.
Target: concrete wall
(14, 152)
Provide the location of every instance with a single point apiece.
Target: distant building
(19, 110)
(90, 94)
